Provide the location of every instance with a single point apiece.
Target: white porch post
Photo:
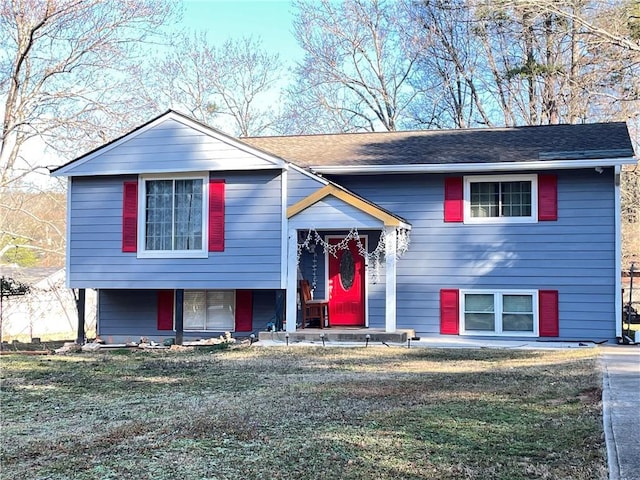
(390, 275)
(292, 280)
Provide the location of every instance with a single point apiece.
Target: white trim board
(473, 167)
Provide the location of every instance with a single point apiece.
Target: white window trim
(500, 178)
(201, 253)
(497, 307)
(235, 306)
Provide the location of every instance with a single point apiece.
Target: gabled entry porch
(345, 247)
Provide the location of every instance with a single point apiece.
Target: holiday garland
(313, 240)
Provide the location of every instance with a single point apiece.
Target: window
(492, 199)
(209, 310)
(172, 216)
(504, 312)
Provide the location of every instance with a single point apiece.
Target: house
(504, 232)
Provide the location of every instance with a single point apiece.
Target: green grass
(303, 413)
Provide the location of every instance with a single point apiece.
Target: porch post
(390, 275)
(292, 280)
(179, 320)
(81, 304)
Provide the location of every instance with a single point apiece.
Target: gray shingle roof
(486, 145)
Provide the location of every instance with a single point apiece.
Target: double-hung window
(508, 312)
(172, 216)
(496, 199)
(209, 310)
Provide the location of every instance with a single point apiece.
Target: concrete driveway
(621, 410)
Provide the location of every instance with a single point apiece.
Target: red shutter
(216, 215)
(244, 310)
(453, 199)
(547, 197)
(130, 217)
(548, 311)
(449, 312)
(165, 309)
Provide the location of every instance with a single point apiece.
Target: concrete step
(337, 335)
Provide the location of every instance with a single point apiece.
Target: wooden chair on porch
(313, 309)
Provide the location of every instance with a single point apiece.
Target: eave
(473, 167)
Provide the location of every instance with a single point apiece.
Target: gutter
(473, 167)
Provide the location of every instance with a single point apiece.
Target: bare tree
(233, 86)
(616, 22)
(181, 79)
(245, 77)
(514, 62)
(559, 60)
(32, 227)
(64, 68)
(357, 66)
(449, 66)
(529, 53)
(630, 200)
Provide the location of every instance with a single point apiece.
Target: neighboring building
(47, 311)
(507, 232)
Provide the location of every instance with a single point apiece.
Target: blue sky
(270, 20)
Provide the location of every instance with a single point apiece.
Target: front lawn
(303, 413)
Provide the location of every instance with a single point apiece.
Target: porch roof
(387, 218)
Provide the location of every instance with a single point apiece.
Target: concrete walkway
(621, 410)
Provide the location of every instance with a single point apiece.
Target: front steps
(339, 335)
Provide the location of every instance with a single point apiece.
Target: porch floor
(337, 335)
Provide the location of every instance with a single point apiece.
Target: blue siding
(128, 315)
(300, 186)
(331, 212)
(574, 255)
(251, 259)
(168, 147)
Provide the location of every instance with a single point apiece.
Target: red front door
(346, 285)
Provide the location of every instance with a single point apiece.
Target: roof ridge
(436, 130)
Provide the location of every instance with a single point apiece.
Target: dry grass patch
(304, 413)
